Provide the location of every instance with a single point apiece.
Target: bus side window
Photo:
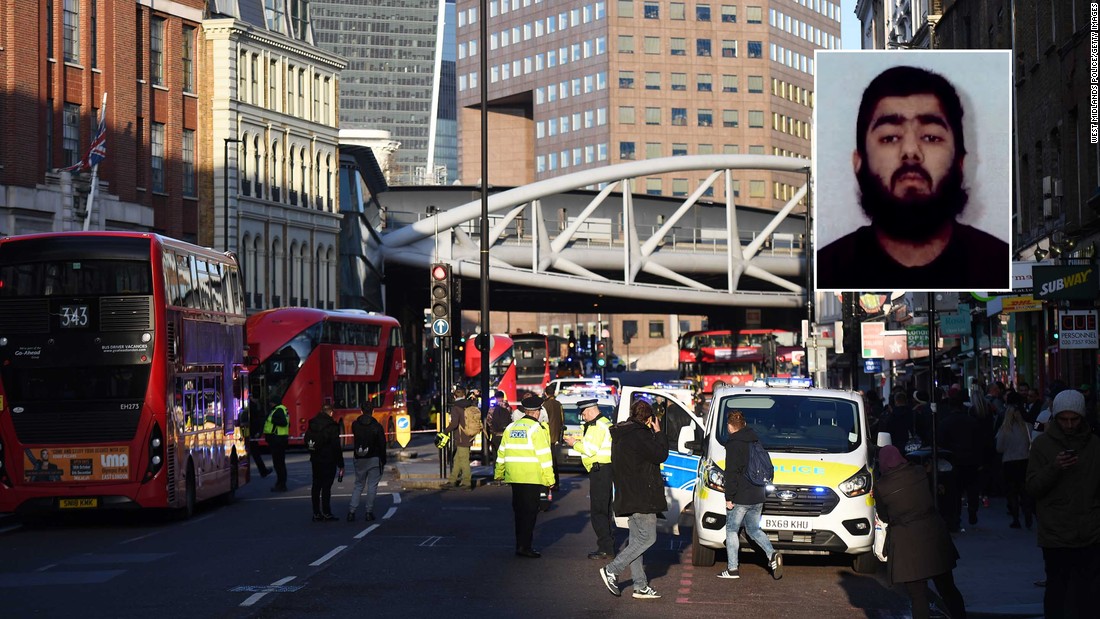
(217, 290)
(171, 278)
(202, 284)
(186, 292)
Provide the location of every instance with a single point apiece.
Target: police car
(574, 425)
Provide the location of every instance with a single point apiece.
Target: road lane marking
(332, 553)
(283, 581)
(46, 567)
(367, 530)
(389, 512)
(396, 498)
(134, 539)
(431, 541)
(11, 528)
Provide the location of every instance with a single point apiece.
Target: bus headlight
(156, 460)
(145, 337)
(714, 477)
(856, 485)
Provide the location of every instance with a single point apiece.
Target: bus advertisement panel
(303, 358)
(121, 373)
(531, 351)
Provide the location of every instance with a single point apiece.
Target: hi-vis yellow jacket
(595, 445)
(271, 428)
(524, 456)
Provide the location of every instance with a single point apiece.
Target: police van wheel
(701, 556)
(865, 563)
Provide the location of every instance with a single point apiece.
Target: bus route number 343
(74, 316)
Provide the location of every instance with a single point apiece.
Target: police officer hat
(583, 404)
(531, 403)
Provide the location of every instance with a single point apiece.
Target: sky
(849, 25)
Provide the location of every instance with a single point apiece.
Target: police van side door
(679, 470)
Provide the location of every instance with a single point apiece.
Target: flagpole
(95, 169)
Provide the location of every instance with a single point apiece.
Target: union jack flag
(97, 151)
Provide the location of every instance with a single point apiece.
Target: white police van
(820, 501)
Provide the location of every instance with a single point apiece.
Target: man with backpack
(499, 418)
(326, 457)
(370, 459)
(465, 424)
(748, 471)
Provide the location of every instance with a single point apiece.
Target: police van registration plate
(785, 524)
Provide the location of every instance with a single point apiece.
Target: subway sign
(1065, 282)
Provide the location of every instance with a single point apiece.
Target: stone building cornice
(233, 29)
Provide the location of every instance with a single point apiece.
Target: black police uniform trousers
(599, 489)
(525, 505)
(278, 444)
(257, 457)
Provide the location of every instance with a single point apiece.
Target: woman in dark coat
(918, 546)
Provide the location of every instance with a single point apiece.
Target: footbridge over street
(589, 239)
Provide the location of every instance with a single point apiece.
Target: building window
(679, 187)
(302, 92)
(49, 28)
(702, 47)
(706, 118)
(325, 102)
(70, 136)
(188, 58)
(626, 151)
(652, 10)
(705, 149)
(254, 69)
(729, 14)
(156, 142)
(678, 46)
(754, 15)
(273, 13)
(71, 30)
(756, 84)
(290, 91)
(729, 83)
(756, 49)
(653, 116)
(756, 119)
(156, 51)
(704, 82)
(316, 97)
(676, 11)
(653, 45)
(729, 118)
(626, 8)
(679, 81)
(653, 186)
(656, 329)
(652, 150)
(731, 149)
(679, 116)
(626, 44)
(652, 80)
(729, 48)
(756, 149)
(626, 79)
(626, 115)
(702, 12)
(679, 150)
(756, 189)
(189, 179)
(94, 18)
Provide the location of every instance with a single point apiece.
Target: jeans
(750, 516)
(324, 473)
(460, 468)
(643, 534)
(367, 471)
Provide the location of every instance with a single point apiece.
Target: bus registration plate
(785, 524)
(80, 503)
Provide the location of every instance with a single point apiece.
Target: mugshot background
(983, 82)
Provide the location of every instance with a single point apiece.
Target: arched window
(290, 174)
(242, 167)
(278, 272)
(304, 177)
(259, 270)
(256, 169)
(274, 179)
(329, 189)
(292, 273)
(318, 188)
(245, 260)
(303, 275)
(321, 278)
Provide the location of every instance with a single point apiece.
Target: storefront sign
(1077, 329)
(957, 323)
(873, 343)
(897, 346)
(917, 336)
(1066, 282)
(872, 366)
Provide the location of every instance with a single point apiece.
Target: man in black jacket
(958, 434)
(370, 459)
(638, 447)
(326, 457)
(744, 499)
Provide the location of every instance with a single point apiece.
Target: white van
(818, 440)
(820, 501)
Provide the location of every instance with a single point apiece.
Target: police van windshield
(795, 423)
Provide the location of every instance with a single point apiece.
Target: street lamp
(225, 185)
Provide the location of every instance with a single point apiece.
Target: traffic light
(601, 355)
(441, 299)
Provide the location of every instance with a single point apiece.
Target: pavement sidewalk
(996, 572)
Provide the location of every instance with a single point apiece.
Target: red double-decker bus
(121, 377)
(502, 366)
(302, 358)
(719, 358)
(531, 351)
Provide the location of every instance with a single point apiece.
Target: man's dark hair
(907, 81)
(900, 398)
(641, 411)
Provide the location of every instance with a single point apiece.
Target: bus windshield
(279, 370)
(76, 278)
(795, 423)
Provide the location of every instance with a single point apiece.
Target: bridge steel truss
(556, 261)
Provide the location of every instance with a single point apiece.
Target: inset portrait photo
(912, 169)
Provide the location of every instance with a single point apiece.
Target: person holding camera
(1063, 478)
(638, 447)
